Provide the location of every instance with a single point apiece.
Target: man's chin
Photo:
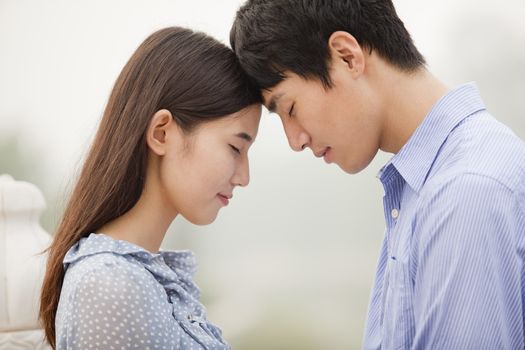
(352, 169)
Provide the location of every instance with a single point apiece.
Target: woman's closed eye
(235, 149)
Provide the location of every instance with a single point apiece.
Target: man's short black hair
(274, 36)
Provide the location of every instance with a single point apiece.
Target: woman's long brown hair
(188, 73)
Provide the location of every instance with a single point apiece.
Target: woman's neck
(145, 224)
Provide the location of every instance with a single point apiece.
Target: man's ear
(344, 48)
(156, 135)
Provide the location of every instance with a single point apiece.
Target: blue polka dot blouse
(116, 295)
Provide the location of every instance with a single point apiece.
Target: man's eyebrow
(273, 102)
(244, 136)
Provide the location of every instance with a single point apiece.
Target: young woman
(173, 140)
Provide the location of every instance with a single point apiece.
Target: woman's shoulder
(108, 284)
(98, 255)
(98, 263)
(120, 273)
(101, 265)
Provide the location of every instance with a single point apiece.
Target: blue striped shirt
(451, 269)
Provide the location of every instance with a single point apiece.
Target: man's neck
(408, 98)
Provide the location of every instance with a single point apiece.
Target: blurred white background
(290, 263)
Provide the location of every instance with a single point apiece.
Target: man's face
(341, 123)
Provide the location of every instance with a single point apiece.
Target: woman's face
(200, 170)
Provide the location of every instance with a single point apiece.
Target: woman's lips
(224, 199)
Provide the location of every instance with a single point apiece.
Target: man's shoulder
(483, 150)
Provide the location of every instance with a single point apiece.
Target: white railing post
(22, 265)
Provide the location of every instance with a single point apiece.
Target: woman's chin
(201, 220)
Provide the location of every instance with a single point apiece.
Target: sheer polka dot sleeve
(112, 308)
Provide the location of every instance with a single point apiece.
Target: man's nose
(297, 137)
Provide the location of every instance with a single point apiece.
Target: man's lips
(328, 155)
(322, 152)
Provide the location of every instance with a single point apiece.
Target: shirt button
(394, 213)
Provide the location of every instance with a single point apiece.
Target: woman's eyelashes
(235, 149)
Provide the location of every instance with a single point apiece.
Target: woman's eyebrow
(244, 136)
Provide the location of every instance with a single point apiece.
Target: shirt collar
(96, 243)
(414, 160)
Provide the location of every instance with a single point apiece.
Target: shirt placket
(392, 209)
(393, 186)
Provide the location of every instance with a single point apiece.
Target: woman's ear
(344, 48)
(157, 133)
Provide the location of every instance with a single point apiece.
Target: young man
(346, 80)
